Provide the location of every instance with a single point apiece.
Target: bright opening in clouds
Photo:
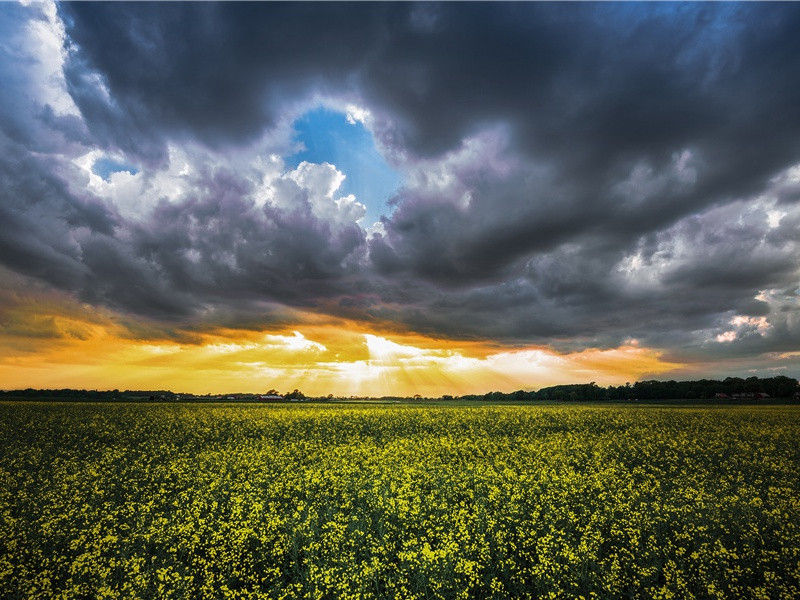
(105, 166)
(379, 197)
(343, 140)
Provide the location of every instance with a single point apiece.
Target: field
(227, 501)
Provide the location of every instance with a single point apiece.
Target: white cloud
(323, 180)
(316, 183)
(357, 114)
(744, 325)
(759, 323)
(44, 40)
(774, 217)
(296, 342)
(135, 194)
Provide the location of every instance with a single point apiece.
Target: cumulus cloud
(573, 175)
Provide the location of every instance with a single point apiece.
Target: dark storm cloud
(216, 73)
(589, 88)
(42, 220)
(575, 174)
(691, 280)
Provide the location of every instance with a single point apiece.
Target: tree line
(701, 389)
(733, 388)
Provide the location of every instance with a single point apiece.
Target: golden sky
(52, 342)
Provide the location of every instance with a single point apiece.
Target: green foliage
(703, 389)
(273, 501)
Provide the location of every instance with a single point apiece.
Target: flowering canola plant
(409, 502)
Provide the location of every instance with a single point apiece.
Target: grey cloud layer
(575, 175)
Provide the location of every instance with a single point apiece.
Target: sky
(380, 199)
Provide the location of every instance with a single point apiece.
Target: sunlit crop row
(199, 501)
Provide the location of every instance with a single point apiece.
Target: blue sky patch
(329, 137)
(105, 166)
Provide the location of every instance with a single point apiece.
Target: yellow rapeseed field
(223, 501)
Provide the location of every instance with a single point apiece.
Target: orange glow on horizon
(52, 346)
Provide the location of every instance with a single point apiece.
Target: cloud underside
(573, 176)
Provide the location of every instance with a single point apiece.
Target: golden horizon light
(79, 348)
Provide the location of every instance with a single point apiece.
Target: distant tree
(295, 395)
